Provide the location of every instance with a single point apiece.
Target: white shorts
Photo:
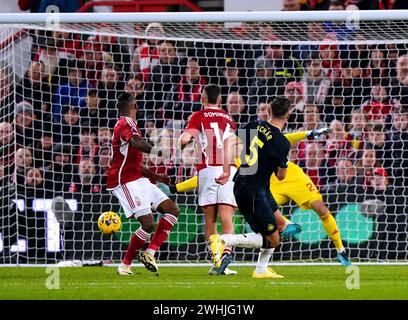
(139, 197)
(212, 193)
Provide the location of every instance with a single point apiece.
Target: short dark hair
(124, 101)
(212, 92)
(280, 107)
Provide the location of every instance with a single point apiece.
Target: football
(109, 222)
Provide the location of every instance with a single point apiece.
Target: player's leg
(133, 206)
(158, 202)
(332, 230)
(304, 192)
(226, 213)
(210, 220)
(262, 270)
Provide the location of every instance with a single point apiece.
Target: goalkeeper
(298, 187)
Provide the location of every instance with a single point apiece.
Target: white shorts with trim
(139, 197)
(212, 193)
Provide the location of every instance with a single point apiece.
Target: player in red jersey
(128, 180)
(210, 127)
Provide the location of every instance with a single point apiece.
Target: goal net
(59, 83)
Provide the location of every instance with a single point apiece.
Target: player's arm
(283, 160)
(184, 186)
(185, 138)
(154, 176)
(309, 135)
(231, 150)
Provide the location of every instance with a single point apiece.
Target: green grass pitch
(300, 282)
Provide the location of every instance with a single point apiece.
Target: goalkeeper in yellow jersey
(298, 187)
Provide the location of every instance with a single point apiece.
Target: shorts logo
(270, 227)
(138, 202)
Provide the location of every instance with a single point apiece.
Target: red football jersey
(210, 126)
(125, 160)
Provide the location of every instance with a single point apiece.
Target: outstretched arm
(158, 177)
(310, 135)
(142, 145)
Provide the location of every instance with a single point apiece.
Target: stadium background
(58, 141)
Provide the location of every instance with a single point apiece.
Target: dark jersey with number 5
(265, 149)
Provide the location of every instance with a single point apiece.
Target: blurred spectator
(305, 52)
(379, 66)
(23, 161)
(311, 117)
(390, 212)
(27, 129)
(399, 142)
(6, 146)
(346, 188)
(32, 5)
(314, 164)
(6, 94)
(103, 163)
(63, 5)
(382, 146)
(93, 58)
(104, 136)
(43, 150)
(70, 93)
(336, 146)
(185, 97)
(68, 131)
(292, 5)
(34, 89)
(136, 87)
(336, 5)
(263, 86)
(399, 89)
(58, 176)
(330, 57)
(109, 88)
(372, 5)
(69, 45)
(356, 129)
(337, 106)
(84, 182)
(87, 148)
(187, 166)
(367, 163)
(146, 56)
(92, 117)
(113, 52)
(263, 111)
(236, 108)
(311, 121)
(34, 184)
(294, 93)
(165, 74)
(230, 80)
(357, 87)
(163, 139)
(312, 80)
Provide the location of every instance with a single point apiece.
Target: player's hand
(163, 178)
(316, 133)
(223, 179)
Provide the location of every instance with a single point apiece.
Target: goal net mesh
(58, 89)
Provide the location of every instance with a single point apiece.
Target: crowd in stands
(55, 134)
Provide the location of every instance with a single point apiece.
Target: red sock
(162, 231)
(227, 250)
(137, 242)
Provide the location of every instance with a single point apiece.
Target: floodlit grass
(300, 282)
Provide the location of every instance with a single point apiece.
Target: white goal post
(61, 74)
